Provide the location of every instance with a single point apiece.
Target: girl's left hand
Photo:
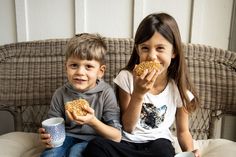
(196, 153)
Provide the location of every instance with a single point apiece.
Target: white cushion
(217, 148)
(212, 147)
(22, 144)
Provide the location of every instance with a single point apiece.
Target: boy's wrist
(93, 121)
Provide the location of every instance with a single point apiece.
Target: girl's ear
(173, 55)
(101, 71)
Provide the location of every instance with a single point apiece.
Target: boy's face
(82, 74)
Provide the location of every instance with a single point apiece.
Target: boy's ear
(65, 67)
(101, 71)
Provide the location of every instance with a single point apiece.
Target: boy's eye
(89, 66)
(73, 66)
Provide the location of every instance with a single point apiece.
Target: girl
(152, 101)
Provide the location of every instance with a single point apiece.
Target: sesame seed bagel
(78, 106)
(150, 65)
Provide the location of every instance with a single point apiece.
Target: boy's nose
(80, 70)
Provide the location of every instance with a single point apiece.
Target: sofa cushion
(22, 144)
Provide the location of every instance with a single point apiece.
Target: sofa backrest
(31, 71)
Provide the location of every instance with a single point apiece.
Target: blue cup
(56, 128)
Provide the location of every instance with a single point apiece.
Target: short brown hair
(87, 46)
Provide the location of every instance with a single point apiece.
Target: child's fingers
(89, 110)
(47, 143)
(46, 139)
(71, 117)
(41, 130)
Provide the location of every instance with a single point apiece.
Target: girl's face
(82, 74)
(157, 49)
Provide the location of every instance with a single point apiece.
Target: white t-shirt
(158, 111)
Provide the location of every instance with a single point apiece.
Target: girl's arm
(183, 134)
(130, 106)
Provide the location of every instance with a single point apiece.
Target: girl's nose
(152, 55)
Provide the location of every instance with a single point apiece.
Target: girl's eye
(160, 49)
(144, 49)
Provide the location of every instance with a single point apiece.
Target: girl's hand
(80, 120)
(196, 153)
(144, 82)
(45, 137)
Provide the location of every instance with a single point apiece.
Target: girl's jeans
(72, 147)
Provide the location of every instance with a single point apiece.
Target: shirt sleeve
(111, 109)
(125, 81)
(56, 107)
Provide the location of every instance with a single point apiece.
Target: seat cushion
(212, 147)
(21, 144)
(217, 148)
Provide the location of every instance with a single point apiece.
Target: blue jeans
(72, 147)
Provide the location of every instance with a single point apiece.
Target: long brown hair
(168, 28)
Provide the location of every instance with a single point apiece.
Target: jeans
(72, 147)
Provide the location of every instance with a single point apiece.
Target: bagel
(78, 106)
(150, 65)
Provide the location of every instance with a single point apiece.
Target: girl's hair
(87, 46)
(168, 28)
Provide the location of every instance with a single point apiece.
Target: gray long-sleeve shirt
(101, 98)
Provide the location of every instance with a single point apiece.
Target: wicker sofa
(31, 71)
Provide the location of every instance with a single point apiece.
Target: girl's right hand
(144, 82)
(45, 137)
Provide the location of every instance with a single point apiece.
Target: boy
(85, 67)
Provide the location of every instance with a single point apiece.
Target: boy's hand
(45, 137)
(82, 119)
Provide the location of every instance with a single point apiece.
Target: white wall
(200, 21)
(50, 19)
(7, 22)
(211, 22)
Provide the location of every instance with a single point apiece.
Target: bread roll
(150, 65)
(78, 106)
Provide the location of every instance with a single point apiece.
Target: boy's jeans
(71, 147)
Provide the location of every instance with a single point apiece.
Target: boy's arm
(105, 130)
(101, 128)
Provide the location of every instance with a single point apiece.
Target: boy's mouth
(79, 80)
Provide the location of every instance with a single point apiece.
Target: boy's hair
(87, 47)
(168, 28)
